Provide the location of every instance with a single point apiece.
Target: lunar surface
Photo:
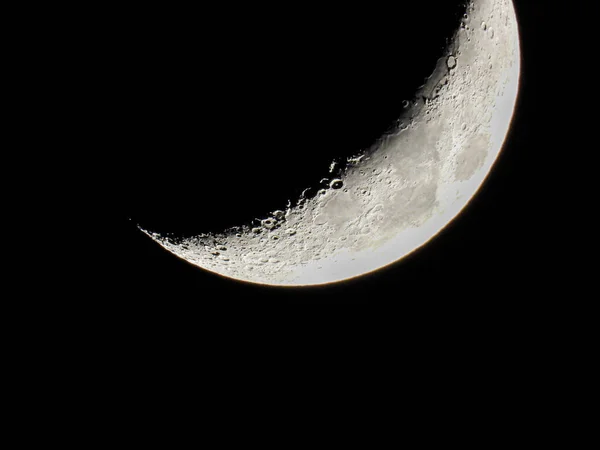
(380, 205)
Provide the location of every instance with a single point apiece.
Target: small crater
(268, 223)
(320, 219)
(451, 62)
(308, 193)
(336, 184)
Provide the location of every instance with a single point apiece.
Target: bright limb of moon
(399, 194)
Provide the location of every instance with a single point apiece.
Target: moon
(378, 206)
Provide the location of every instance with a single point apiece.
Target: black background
(207, 122)
(155, 129)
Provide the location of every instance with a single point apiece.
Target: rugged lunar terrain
(380, 205)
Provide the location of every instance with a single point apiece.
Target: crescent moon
(379, 206)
